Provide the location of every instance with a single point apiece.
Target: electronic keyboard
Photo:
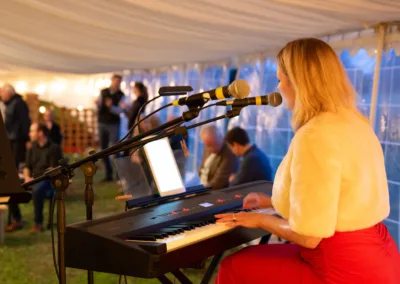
(151, 241)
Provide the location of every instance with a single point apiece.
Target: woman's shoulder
(330, 124)
(323, 130)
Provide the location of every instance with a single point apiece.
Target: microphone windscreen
(239, 89)
(274, 99)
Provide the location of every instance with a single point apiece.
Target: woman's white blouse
(333, 177)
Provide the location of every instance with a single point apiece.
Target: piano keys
(149, 242)
(187, 233)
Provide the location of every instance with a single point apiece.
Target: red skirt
(365, 256)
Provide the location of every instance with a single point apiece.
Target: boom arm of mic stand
(182, 130)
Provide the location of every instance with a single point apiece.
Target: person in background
(109, 110)
(54, 129)
(2, 108)
(218, 161)
(255, 165)
(43, 155)
(141, 94)
(17, 123)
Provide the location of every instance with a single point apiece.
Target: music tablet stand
(152, 200)
(11, 191)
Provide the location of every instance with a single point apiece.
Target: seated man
(218, 162)
(255, 164)
(43, 155)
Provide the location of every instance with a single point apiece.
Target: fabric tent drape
(98, 36)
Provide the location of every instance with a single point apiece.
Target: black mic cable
(130, 131)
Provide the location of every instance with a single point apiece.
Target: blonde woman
(330, 189)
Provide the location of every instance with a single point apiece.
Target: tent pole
(201, 68)
(381, 30)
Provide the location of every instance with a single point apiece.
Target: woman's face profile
(286, 89)
(136, 92)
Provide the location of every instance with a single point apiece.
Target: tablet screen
(163, 167)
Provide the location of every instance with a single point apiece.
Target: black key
(184, 227)
(155, 235)
(171, 231)
(202, 221)
(142, 238)
(191, 224)
(208, 219)
(195, 223)
(179, 230)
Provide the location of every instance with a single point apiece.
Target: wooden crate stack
(32, 100)
(79, 129)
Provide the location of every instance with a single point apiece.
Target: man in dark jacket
(55, 130)
(109, 110)
(255, 165)
(43, 155)
(17, 123)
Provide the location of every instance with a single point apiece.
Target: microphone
(273, 99)
(238, 89)
(174, 90)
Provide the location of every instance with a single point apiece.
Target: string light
(21, 87)
(40, 89)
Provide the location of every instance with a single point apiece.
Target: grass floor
(27, 258)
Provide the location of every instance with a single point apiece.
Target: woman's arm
(280, 227)
(257, 200)
(274, 225)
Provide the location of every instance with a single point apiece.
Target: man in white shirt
(2, 110)
(218, 162)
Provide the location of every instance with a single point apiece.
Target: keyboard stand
(210, 270)
(181, 277)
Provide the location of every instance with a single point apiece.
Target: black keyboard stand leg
(164, 280)
(265, 239)
(181, 277)
(210, 270)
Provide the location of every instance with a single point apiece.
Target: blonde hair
(318, 79)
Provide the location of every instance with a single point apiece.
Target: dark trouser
(109, 134)
(40, 192)
(15, 212)
(19, 152)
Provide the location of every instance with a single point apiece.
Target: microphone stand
(60, 178)
(89, 170)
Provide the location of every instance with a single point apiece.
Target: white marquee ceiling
(96, 36)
